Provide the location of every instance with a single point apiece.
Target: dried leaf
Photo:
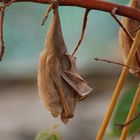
(132, 26)
(60, 85)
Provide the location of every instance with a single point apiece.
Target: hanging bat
(60, 85)
(132, 26)
(125, 42)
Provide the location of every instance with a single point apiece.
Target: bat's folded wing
(77, 83)
(71, 76)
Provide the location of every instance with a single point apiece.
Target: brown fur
(60, 85)
(125, 43)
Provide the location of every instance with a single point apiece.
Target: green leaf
(44, 135)
(50, 134)
(122, 112)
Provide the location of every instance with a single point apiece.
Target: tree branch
(96, 5)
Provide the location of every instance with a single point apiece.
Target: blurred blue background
(22, 114)
(24, 37)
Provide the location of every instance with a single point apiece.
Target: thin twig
(1, 33)
(129, 122)
(8, 4)
(121, 25)
(118, 88)
(131, 114)
(83, 31)
(2, 12)
(117, 63)
(134, 136)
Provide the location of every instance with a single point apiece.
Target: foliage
(50, 134)
(122, 111)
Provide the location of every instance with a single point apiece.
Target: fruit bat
(60, 85)
(132, 26)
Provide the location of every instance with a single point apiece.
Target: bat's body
(132, 26)
(60, 86)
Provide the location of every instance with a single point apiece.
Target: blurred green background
(22, 114)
